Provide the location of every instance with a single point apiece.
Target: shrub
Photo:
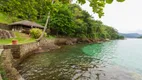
(36, 33)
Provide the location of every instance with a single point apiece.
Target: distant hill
(131, 35)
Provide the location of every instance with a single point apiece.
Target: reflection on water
(80, 62)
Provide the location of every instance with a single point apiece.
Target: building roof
(27, 23)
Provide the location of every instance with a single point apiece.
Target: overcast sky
(125, 17)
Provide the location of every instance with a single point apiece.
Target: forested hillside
(66, 19)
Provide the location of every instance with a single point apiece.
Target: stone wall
(13, 55)
(7, 63)
(14, 50)
(28, 49)
(20, 51)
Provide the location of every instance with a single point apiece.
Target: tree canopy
(35, 9)
(98, 5)
(66, 19)
(72, 21)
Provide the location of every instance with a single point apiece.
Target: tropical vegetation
(66, 19)
(36, 33)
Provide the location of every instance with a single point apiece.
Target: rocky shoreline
(71, 41)
(51, 44)
(25, 50)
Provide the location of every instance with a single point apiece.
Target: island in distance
(131, 35)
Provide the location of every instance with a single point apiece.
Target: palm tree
(45, 27)
(48, 17)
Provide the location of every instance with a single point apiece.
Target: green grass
(50, 37)
(21, 37)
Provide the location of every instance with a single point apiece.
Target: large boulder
(5, 34)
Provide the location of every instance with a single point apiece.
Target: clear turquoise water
(113, 60)
(126, 53)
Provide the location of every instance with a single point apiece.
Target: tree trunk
(45, 27)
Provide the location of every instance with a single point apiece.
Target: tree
(98, 5)
(19, 8)
(45, 27)
(61, 21)
(26, 9)
(37, 9)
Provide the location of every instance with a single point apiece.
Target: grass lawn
(21, 37)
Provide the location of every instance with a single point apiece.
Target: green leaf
(109, 1)
(120, 0)
(82, 1)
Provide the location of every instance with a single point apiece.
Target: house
(24, 26)
(4, 26)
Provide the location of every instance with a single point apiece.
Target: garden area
(20, 37)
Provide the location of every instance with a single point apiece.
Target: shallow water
(113, 60)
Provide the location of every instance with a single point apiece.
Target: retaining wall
(7, 63)
(12, 55)
(21, 51)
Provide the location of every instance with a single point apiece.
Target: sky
(126, 17)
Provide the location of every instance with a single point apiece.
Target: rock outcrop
(5, 34)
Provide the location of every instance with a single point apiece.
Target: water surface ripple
(113, 60)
